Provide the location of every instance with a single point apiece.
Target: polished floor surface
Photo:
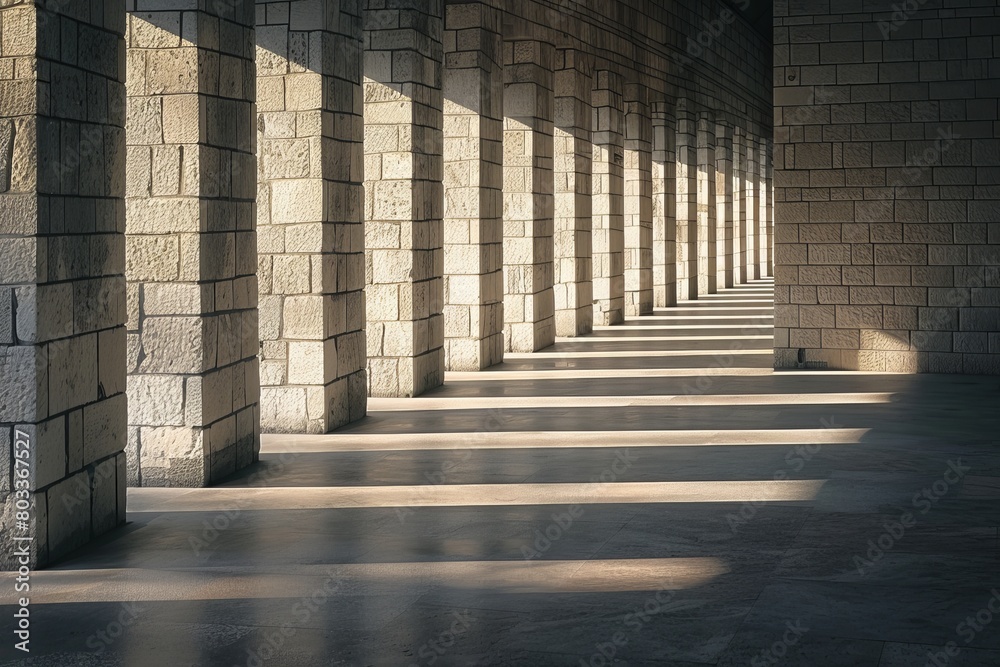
(652, 494)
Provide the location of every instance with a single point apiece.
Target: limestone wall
(887, 198)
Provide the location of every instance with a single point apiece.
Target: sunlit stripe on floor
(506, 402)
(548, 353)
(471, 495)
(499, 374)
(749, 326)
(763, 303)
(363, 442)
(758, 295)
(654, 339)
(700, 307)
(689, 316)
(405, 579)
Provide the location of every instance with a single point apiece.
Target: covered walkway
(651, 494)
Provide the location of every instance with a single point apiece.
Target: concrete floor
(652, 494)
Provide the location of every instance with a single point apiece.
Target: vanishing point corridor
(650, 494)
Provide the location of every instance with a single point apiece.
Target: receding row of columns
(513, 192)
(291, 207)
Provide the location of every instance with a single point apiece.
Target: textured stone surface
(708, 239)
(473, 182)
(885, 163)
(62, 284)
(724, 244)
(310, 216)
(404, 200)
(573, 280)
(609, 198)
(664, 206)
(191, 242)
(528, 183)
(686, 184)
(638, 202)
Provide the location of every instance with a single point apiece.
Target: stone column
(767, 208)
(724, 205)
(752, 227)
(609, 199)
(310, 231)
(62, 284)
(404, 197)
(638, 203)
(739, 209)
(191, 245)
(528, 183)
(687, 203)
(574, 282)
(707, 235)
(664, 206)
(473, 184)
(761, 207)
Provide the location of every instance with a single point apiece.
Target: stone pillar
(62, 284)
(687, 203)
(739, 209)
(609, 199)
(724, 205)
(191, 245)
(664, 206)
(404, 197)
(310, 231)
(473, 185)
(762, 233)
(528, 183)
(707, 236)
(574, 282)
(767, 213)
(752, 227)
(638, 202)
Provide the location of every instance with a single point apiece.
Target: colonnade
(252, 216)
